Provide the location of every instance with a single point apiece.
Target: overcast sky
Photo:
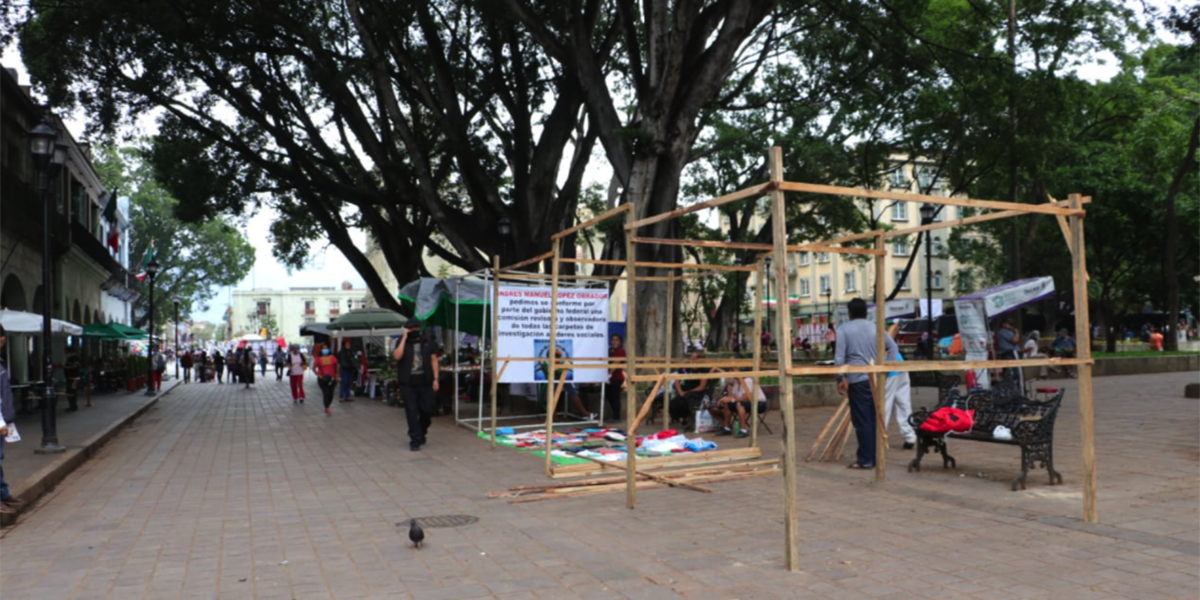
(329, 266)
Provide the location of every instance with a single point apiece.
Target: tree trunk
(1189, 161)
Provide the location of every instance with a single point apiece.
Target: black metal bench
(934, 379)
(1031, 423)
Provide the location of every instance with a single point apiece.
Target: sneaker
(725, 431)
(414, 446)
(741, 434)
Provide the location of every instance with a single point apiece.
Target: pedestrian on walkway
(296, 366)
(280, 360)
(326, 368)
(185, 363)
(898, 395)
(201, 361)
(8, 412)
(616, 376)
(417, 374)
(856, 347)
(218, 365)
(247, 367)
(262, 361)
(160, 366)
(347, 361)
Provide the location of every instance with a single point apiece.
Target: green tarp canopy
(104, 331)
(434, 301)
(368, 322)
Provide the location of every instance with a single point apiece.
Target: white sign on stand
(973, 329)
(524, 332)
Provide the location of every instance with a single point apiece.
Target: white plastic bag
(704, 422)
(1001, 433)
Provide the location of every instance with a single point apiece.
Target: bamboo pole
(630, 355)
(651, 476)
(646, 406)
(938, 365)
(556, 253)
(743, 374)
(495, 341)
(750, 245)
(833, 450)
(759, 277)
(840, 446)
(787, 407)
(835, 190)
(1083, 338)
(879, 380)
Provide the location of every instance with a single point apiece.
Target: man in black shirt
(417, 374)
(348, 364)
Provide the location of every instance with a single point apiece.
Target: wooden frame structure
(1069, 214)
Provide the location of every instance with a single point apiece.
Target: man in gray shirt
(856, 346)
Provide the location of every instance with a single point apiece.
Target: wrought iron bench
(934, 379)
(1031, 423)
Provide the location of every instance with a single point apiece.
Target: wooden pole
(759, 278)
(666, 409)
(495, 340)
(1083, 345)
(786, 408)
(880, 379)
(556, 254)
(630, 359)
(836, 418)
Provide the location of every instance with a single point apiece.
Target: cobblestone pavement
(219, 492)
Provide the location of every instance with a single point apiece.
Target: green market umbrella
(103, 331)
(368, 322)
(132, 333)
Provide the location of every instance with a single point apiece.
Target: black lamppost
(49, 155)
(767, 265)
(741, 297)
(176, 299)
(504, 228)
(151, 272)
(828, 293)
(927, 218)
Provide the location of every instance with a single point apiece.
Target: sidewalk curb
(35, 486)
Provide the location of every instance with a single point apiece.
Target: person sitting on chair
(691, 393)
(736, 400)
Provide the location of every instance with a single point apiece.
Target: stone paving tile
(221, 492)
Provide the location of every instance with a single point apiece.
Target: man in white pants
(898, 398)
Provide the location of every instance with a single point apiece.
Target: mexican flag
(146, 258)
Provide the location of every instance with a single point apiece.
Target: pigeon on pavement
(415, 533)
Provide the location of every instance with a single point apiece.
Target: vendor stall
(974, 310)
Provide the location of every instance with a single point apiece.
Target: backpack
(949, 419)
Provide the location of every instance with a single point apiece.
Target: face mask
(325, 351)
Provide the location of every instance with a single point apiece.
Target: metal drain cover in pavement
(441, 521)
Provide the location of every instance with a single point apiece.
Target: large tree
(423, 123)
(195, 259)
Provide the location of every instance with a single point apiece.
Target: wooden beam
(651, 476)
(666, 408)
(879, 380)
(604, 216)
(646, 406)
(670, 461)
(1083, 345)
(556, 253)
(836, 249)
(495, 341)
(835, 190)
(727, 198)
(787, 410)
(751, 246)
(835, 420)
(631, 332)
(527, 262)
(760, 278)
(937, 365)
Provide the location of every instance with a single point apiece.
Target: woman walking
(296, 366)
(326, 367)
(218, 365)
(247, 368)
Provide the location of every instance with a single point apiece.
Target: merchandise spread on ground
(605, 444)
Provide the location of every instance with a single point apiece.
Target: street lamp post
(176, 299)
(927, 218)
(737, 309)
(49, 155)
(151, 272)
(504, 228)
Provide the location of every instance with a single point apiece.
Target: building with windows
(89, 279)
(292, 308)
